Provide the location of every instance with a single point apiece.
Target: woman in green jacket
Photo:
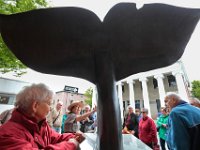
(162, 125)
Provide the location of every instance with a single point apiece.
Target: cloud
(191, 56)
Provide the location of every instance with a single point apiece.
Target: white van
(8, 90)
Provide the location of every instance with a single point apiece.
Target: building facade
(67, 97)
(8, 90)
(148, 89)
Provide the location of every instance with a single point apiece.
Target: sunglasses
(143, 112)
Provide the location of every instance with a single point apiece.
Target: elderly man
(195, 102)
(86, 124)
(130, 125)
(28, 128)
(183, 124)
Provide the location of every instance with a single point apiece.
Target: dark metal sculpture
(74, 42)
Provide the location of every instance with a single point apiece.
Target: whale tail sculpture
(75, 42)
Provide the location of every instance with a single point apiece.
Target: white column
(145, 94)
(94, 96)
(120, 97)
(131, 93)
(181, 85)
(161, 88)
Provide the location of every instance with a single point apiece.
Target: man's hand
(79, 137)
(164, 125)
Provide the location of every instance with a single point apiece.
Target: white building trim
(160, 75)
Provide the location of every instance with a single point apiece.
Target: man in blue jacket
(183, 124)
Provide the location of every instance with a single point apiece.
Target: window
(171, 81)
(155, 83)
(158, 105)
(125, 104)
(137, 104)
(4, 99)
(7, 99)
(123, 88)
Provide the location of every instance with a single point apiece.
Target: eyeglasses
(143, 112)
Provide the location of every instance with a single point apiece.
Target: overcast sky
(190, 58)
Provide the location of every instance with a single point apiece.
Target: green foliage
(88, 93)
(17, 6)
(196, 89)
(8, 61)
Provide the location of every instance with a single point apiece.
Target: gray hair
(194, 99)
(29, 94)
(195, 102)
(87, 106)
(145, 110)
(173, 95)
(129, 106)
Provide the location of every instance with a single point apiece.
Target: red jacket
(23, 133)
(147, 131)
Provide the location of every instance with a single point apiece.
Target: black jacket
(132, 124)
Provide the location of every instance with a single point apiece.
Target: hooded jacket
(132, 123)
(184, 127)
(24, 133)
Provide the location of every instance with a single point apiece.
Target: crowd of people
(35, 124)
(141, 126)
(178, 124)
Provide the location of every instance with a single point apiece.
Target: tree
(196, 89)
(8, 61)
(88, 94)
